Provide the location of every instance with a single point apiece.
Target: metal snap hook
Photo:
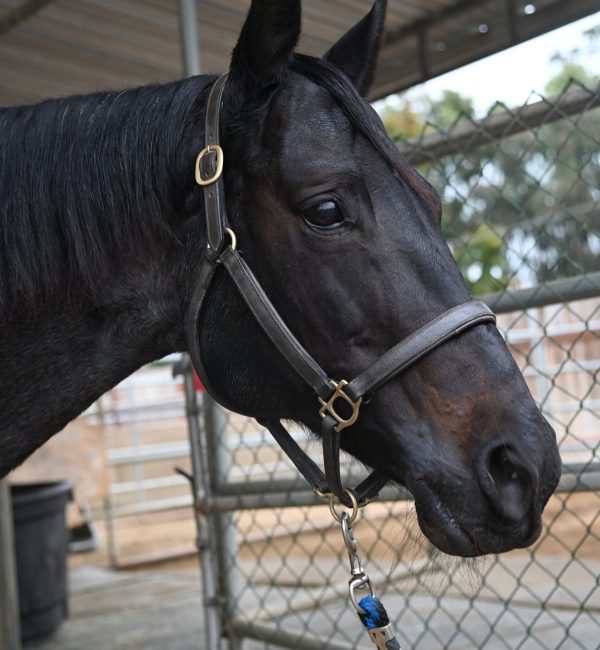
(360, 582)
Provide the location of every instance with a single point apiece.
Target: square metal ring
(328, 406)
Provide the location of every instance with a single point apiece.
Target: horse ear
(357, 51)
(267, 40)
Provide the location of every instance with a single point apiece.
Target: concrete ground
(162, 610)
(297, 582)
(110, 610)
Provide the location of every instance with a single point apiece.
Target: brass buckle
(211, 148)
(327, 407)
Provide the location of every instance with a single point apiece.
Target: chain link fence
(521, 191)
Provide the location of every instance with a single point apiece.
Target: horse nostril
(507, 478)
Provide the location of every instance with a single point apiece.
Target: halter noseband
(328, 391)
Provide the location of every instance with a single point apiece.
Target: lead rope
(369, 608)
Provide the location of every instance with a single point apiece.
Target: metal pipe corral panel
(10, 629)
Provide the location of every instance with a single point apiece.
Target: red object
(197, 383)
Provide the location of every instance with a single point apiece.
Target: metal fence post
(219, 462)
(188, 34)
(206, 537)
(216, 532)
(10, 632)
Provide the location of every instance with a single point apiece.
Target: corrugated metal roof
(74, 46)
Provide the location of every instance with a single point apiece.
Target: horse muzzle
(496, 508)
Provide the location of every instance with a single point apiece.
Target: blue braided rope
(375, 616)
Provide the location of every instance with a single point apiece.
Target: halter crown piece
(222, 249)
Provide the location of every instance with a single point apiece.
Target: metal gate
(274, 566)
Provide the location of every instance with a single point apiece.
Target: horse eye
(326, 214)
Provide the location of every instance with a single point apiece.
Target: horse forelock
(83, 180)
(355, 108)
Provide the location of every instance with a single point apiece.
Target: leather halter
(221, 250)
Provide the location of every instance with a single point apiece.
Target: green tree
(525, 208)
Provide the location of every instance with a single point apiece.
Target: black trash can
(41, 539)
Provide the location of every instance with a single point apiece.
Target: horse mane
(83, 177)
(84, 180)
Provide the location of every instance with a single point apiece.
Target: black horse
(102, 234)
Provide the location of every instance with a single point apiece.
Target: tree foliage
(523, 209)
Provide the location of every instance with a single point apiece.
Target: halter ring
(353, 500)
(232, 237)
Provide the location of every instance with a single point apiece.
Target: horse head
(344, 237)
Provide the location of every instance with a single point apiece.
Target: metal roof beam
(464, 32)
(21, 13)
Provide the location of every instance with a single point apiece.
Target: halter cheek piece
(221, 250)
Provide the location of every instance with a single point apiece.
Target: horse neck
(100, 253)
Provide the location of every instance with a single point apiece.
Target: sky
(516, 72)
